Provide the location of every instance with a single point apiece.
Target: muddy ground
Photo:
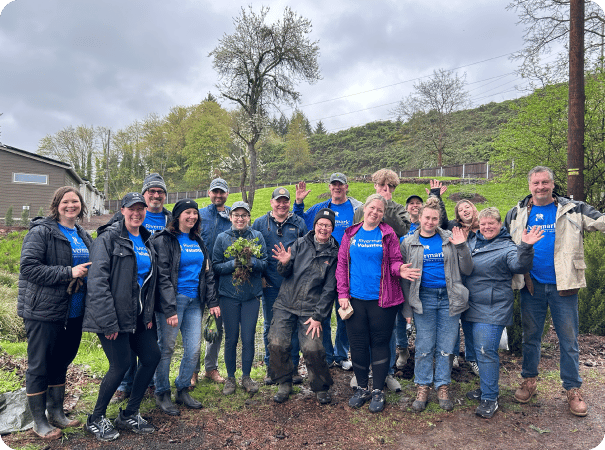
(257, 422)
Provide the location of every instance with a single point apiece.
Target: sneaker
(402, 357)
(229, 386)
(487, 408)
(296, 377)
(455, 362)
(392, 384)
(526, 390)
(353, 382)
(444, 398)
(474, 367)
(101, 428)
(345, 364)
(214, 376)
(422, 395)
(377, 402)
(474, 395)
(360, 396)
(249, 385)
(134, 423)
(323, 397)
(577, 406)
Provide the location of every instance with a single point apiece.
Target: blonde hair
(373, 197)
(385, 176)
(492, 212)
(431, 203)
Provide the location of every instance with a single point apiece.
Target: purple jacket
(390, 288)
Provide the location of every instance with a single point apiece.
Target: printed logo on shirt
(433, 256)
(191, 248)
(426, 247)
(336, 213)
(539, 217)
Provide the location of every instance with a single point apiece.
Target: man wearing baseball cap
(344, 208)
(279, 227)
(215, 220)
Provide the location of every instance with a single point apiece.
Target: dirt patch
(259, 423)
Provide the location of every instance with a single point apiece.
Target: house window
(31, 178)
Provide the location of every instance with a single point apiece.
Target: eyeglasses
(240, 216)
(324, 225)
(156, 191)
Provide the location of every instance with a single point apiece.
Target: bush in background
(591, 299)
(25, 217)
(8, 219)
(11, 325)
(40, 212)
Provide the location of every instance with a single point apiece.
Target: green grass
(9, 381)
(10, 251)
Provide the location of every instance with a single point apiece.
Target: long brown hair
(474, 225)
(58, 196)
(173, 227)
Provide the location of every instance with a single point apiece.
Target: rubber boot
(183, 398)
(37, 406)
(54, 408)
(164, 402)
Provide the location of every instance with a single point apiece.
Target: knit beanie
(154, 180)
(325, 213)
(182, 205)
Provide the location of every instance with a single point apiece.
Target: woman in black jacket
(120, 309)
(54, 264)
(186, 284)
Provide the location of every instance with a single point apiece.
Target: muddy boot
(54, 408)
(37, 405)
(296, 377)
(444, 397)
(183, 398)
(526, 390)
(422, 395)
(283, 393)
(164, 402)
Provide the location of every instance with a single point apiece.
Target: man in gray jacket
(554, 281)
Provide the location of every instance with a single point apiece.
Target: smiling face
(373, 213)
(187, 219)
(413, 207)
(155, 198)
(541, 187)
(218, 197)
(385, 190)
(429, 220)
(280, 207)
(489, 227)
(466, 212)
(338, 192)
(239, 218)
(69, 208)
(323, 230)
(133, 217)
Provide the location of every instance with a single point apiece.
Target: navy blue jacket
(214, 222)
(293, 228)
(224, 267)
(494, 263)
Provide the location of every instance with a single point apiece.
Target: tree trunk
(242, 180)
(253, 170)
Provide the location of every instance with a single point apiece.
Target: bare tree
(547, 25)
(430, 108)
(76, 146)
(258, 66)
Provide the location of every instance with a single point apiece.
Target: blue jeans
(436, 334)
(339, 351)
(469, 346)
(269, 297)
(239, 313)
(564, 313)
(486, 340)
(189, 313)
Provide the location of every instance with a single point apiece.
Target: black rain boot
(164, 402)
(37, 406)
(54, 408)
(182, 397)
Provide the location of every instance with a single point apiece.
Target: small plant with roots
(242, 250)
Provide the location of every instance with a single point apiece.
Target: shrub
(11, 325)
(8, 219)
(591, 299)
(10, 251)
(40, 212)
(25, 217)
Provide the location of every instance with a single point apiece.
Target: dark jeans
(143, 343)
(370, 327)
(280, 346)
(339, 351)
(238, 313)
(51, 347)
(269, 297)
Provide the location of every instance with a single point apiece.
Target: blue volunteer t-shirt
(366, 262)
(433, 268)
(190, 266)
(79, 255)
(143, 258)
(413, 227)
(544, 250)
(344, 219)
(154, 221)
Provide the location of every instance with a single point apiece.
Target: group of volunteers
(151, 273)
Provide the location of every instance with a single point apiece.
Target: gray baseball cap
(219, 183)
(280, 192)
(244, 205)
(337, 176)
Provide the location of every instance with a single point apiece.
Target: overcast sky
(111, 62)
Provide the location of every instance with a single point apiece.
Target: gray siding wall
(19, 194)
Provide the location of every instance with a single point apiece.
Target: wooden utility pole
(106, 187)
(575, 124)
